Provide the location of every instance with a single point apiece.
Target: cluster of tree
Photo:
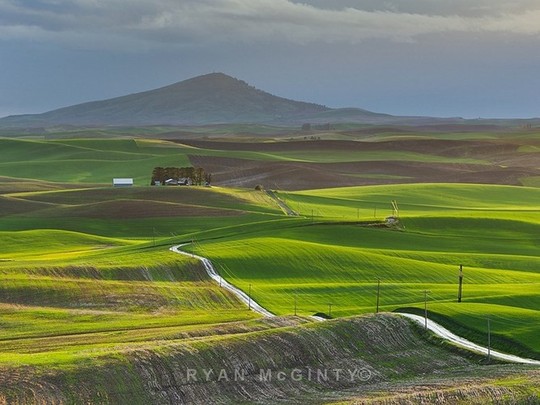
(194, 175)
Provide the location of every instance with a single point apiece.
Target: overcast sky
(405, 57)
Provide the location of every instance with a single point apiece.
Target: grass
(491, 230)
(415, 200)
(140, 212)
(99, 160)
(162, 364)
(74, 287)
(325, 156)
(45, 243)
(85, 271)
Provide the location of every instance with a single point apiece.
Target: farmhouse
(180, 176)
(183, 181)
(122, 182)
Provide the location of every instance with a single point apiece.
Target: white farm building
(122, 182)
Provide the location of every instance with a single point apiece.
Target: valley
(94, 307)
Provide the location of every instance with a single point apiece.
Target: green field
(493, 231)
(86, 275)
(94, 160)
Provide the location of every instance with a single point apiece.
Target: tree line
(196, 175)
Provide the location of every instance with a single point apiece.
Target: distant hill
(210, 99)
(206, 100)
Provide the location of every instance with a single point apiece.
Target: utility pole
(249, 296)
(460, 290)
(489, 339)
(378, 294)
(395, 207)
(295, 299)
(425, 308)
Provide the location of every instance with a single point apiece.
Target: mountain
(205, 100)
(209, 99)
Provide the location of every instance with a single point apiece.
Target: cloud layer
(434, 57)
(109, 23)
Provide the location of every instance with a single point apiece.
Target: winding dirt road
(209, 267)
(466, 344)
(432, 326)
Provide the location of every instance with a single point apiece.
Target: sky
(445, 58)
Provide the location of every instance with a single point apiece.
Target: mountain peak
(214, 76)
(211, 82)
(213, 98)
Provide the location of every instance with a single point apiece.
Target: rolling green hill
(261, 362)
(94, 305)
(491, 230)
(283, 164)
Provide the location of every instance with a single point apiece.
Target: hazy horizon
(409, 57)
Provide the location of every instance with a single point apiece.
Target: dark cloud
(439, 57)
(464, 8)
(202, 21)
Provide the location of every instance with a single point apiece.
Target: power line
(489, 339)
(295, 300)
(460, 289)
(425, 308)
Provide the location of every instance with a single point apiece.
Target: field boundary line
(212, 273)
(445, 334)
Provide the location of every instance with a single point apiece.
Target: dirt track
(461, 342)
(211, 271)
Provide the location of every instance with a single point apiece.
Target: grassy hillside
(90, 293)
(387, 353)
(491, 230)
(287, 164)
(66, 294)
(140, 212)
